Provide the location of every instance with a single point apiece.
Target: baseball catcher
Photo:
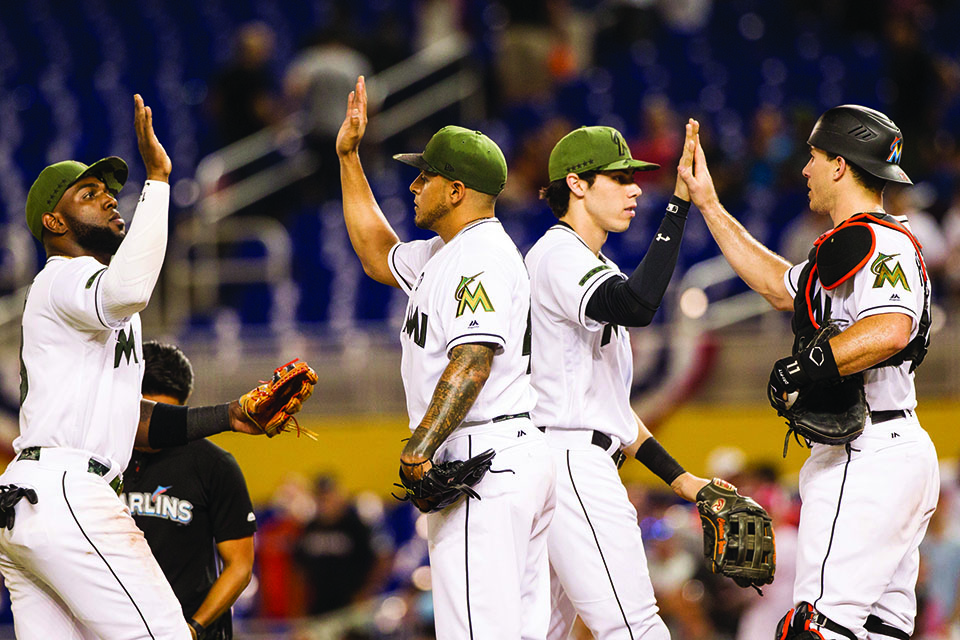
(271, 405)
(738, 539)
(442, 484)
(819, 407)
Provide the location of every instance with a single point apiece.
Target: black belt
(94, 466)
(604, 441)
(525, 414)
(876, 417)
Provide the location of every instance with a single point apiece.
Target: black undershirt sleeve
(634, 301)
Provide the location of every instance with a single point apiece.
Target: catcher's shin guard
(803, 622)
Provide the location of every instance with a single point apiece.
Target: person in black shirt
(192, 504)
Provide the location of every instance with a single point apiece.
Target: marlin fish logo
(158, 491)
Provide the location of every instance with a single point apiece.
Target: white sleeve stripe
(910, 312)
(396, 270)
(603, 276)
(499, 339)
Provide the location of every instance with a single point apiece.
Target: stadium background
(259, 268)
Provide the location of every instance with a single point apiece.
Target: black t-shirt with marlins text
(185, 500)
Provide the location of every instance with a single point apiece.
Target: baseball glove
(738, 539)
(271, 405)
(444, 483)
(828, 412)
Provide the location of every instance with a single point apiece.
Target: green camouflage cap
(593, 149)
(461, 154)
(57, 178)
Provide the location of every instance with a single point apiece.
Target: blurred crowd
(355, 565)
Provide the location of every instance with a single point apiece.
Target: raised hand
(155, 158)
(355, 122)
(686, 159)
(697, 176)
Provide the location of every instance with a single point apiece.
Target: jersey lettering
(416, 327)
(527, 342)
(885, 274)
(126, 345)
(161, 506)
(472, 299)
(821, 306)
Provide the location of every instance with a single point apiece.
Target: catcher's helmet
(864, 137)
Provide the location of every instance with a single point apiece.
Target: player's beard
(427, 218)
(102, 239)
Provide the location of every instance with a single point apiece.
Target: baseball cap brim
(113, 171)
(415, 160)
(636, 165)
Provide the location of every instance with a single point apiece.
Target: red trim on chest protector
(864, 219)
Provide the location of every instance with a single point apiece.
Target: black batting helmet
(864, 137)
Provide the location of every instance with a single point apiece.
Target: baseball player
(464, 369)
(74, 561)
(865, 505)
(192, 504)
(582, 367)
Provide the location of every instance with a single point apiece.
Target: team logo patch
(471, 299)
(718, 505)
(885, 274)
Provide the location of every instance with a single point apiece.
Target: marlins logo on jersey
(472, 300)
(159, 505)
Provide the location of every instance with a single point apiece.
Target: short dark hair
(866, 180)
(167, 371)
(557, 193)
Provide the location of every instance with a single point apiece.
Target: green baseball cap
(57, 178)
(461, 154)
(593, 149)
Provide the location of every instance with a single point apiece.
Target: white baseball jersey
(488, 557)
(848, 566)
(472, 289)
(80, 383)
(75, 562)
(573, 354)
(582, 372)
(891, 281)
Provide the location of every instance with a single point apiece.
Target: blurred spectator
(317, 82)
(660, 141)
(334, 551)
(282, 589)
(244, 97)
(939, 581)
(911, 202)
(798, 236)
(534, 50)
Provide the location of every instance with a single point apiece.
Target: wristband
(197, 627)
(173, 426)
(678, 206)
(818, 362)
(207, 421)
(654, 457)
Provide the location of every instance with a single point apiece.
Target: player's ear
(457, 191)
(54, 222)
(840, 167)
(576, 185)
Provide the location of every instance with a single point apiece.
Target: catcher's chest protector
(836, 257)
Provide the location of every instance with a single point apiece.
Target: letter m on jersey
(472, 299)
(885, 274)
(126, 345)
(416, 327)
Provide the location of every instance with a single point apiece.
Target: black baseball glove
(829, 411)
(444, 483)
(10, 495)
(738, 539)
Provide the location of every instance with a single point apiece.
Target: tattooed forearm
(457, 390)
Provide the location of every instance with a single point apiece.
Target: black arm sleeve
(634, 301)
